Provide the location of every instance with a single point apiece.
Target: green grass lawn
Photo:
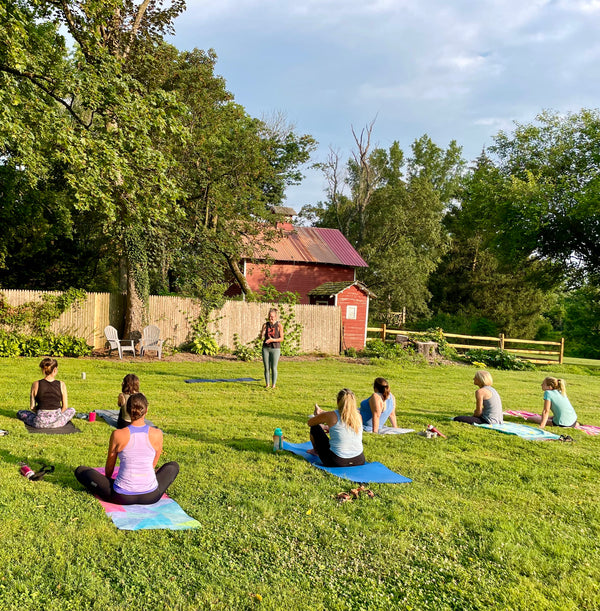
(490, 521)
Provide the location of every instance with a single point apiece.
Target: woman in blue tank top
(138, 448)
(380, 406)
(343, 447)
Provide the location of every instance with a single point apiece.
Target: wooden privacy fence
(321, 325)
(499, 342)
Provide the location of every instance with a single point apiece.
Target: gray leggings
(270, 360)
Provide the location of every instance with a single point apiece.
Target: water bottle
(27, 471)
(277, 440)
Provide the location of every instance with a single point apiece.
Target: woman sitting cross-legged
(343, 447)
(138, 448)
(49, 406)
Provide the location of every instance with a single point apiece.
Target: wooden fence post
(383, 328)
(501, 341)
(562, 351)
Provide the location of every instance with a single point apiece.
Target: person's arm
(328, 418)
(479, 402)
(545, 413)
(376, 405)
(65, 399)
(32, 394)
(121, 400)
(262, 332)
(393, 414)
(280, 333)
(111, 457)
(157, 443)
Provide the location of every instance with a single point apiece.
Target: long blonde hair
(349, 415)
(556, 384)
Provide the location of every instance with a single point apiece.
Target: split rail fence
(500, 342)
(321, 325)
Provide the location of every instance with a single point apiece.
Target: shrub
(499, 359)
(377, 349)
(246, 352)
(351, 352)
(47, 344)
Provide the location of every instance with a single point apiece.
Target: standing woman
(138, 448)
(48, 402)
(272, 336)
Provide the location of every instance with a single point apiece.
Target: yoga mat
(589, 429)
(390, 430)
(67, 429)
(369, 473)
(521, 430)
(199, 380)
(110, 416)
(165, 514)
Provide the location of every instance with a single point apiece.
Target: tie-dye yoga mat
(521, 430)
(589, 429)
(164, 514)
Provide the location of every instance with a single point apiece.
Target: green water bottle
(277, 440)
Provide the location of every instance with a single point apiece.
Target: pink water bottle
(26, 471)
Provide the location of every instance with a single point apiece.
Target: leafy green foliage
(48, 344)
(498, 359)
(37, 316)
(378, 350)
(246, 352)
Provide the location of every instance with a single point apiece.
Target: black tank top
(49, 395)
(272, 332)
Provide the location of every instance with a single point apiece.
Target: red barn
(353, 300)
(302, 259)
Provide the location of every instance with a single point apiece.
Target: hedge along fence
(500, 342)
(321, 325)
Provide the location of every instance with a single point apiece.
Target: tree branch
(36, 80)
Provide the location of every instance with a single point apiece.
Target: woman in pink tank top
(138, 448)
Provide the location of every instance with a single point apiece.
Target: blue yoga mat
(369, 473)
(521, 430)
(198, 380)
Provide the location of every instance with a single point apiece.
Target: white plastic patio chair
(150, 340)
(121, 345)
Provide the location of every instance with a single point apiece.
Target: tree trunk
(239, 277)
(136, 312)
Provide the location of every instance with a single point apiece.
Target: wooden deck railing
(499, 342)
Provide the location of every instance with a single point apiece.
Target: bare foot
(312, 452)
(268, 386)
(318, 410)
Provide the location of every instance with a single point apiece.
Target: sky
(456, 70)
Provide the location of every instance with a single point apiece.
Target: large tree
(83, 108)
(390, 208)
(551, 209)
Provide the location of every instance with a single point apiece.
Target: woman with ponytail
(138, 448)
(556, 401)
(343, 447)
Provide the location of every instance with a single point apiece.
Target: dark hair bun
(137, 406)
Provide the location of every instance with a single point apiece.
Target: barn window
(351, 312)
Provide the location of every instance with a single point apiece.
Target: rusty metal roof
(316, 245)
(334, 288)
